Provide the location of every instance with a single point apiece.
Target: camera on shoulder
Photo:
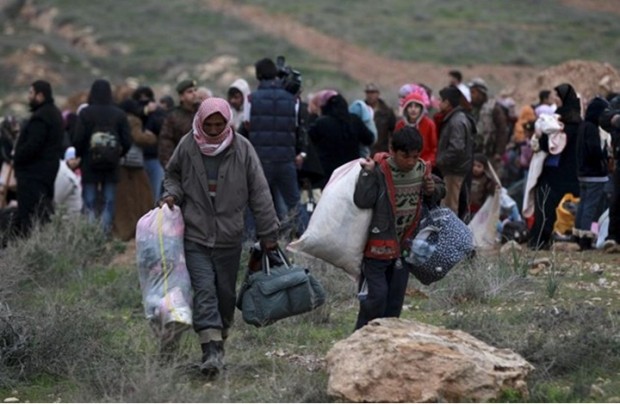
(291, 79)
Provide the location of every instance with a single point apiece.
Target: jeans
(387, 284)
(155, 172)
(282, 180)
(89, 194)
(591, 196)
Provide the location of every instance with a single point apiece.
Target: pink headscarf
(213, 145)
(319, 99)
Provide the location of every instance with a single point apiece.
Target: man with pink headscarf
(213, 175)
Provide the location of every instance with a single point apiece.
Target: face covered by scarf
(212, 145)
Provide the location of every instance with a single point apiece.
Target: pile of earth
(588, 78)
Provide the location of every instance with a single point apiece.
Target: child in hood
(414, 113)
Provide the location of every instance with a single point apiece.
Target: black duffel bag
(274, 293)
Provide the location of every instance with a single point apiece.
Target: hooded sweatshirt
(239, 116)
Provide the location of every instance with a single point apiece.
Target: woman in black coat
(337, 135)
(559, 173)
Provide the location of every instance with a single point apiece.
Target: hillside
(341, 45)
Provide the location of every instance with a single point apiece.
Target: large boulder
(394, 360)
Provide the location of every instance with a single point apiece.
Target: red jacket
(428, 130)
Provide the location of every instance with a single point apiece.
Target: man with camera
(273, 131)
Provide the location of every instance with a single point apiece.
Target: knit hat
(405, 90)
(184, 85)
(417, 95)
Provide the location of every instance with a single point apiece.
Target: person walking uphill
(392, 185)
(101, 125)
(213, 175)
(36, 157)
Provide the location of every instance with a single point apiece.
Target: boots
(212, 358)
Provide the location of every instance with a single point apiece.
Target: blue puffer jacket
(273, 123)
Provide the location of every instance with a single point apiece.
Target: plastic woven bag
(164, 280)
(338, 229)
(441, 242)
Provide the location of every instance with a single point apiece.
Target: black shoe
(212, 358)
(585, 243)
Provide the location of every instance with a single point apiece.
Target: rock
(509, 247)
(11, 400)
(395, 360)
(596, 269)
(546, 262)
(539, 265)
(565, 246)
(596, 391)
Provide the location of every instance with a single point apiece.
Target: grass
(76, 329)
(480, 31)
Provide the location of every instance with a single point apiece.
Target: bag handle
(279, 254)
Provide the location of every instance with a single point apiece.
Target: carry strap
(419, 210)
(164, 264)
(280, 254)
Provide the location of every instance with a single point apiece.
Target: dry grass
(76, 330)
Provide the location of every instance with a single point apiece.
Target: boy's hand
(368, 164)
(429, 186)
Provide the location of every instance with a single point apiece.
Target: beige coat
(241, 182)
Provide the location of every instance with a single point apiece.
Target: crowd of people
(252, 165)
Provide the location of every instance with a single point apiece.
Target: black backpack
(105, 150)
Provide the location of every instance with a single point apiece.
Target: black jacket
(38, 149)
(337, 135)
(591, 157)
